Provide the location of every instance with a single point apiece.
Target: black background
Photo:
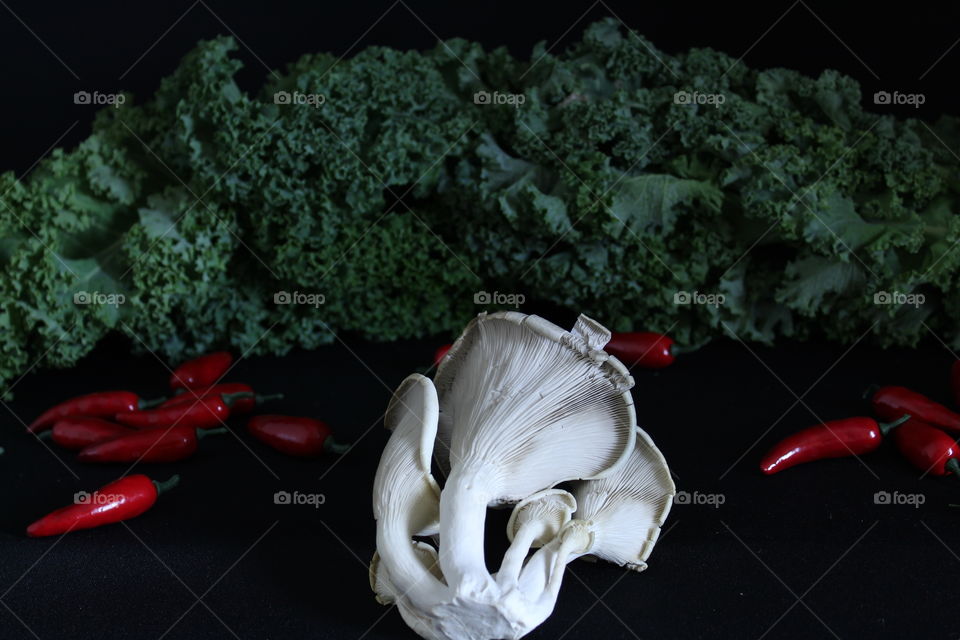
(281, 571)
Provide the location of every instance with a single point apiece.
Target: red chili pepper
(928, 448)
(122, 499)
(201, 372)
(201, 414)
(77, 433)
(295, 435)
(889, 403)
(104, 404)
(642, 348)
(153, 445)
(439, 353)
(832, 439)
(243, 404)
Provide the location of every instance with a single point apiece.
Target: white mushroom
(576, 538)
(535, 521)
(520, 406)
(380, 583)
(531, 406)
(593, 336)
(405, 495)
(618, 518)
(628, 508)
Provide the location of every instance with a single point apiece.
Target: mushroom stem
(463, 511)
(535, 573)
(517, 552)
(573, 542)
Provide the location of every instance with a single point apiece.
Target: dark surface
(264, 570)
(282, 571)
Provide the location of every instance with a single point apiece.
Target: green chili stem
(167, 485)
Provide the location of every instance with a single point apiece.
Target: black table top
(807, 553)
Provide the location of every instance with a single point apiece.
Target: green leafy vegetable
(378, 194)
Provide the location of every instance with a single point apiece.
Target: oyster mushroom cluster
(518, 406)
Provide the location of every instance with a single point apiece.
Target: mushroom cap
(594, 334)
(406, 498)
(553, 507)
(628, 508)
(415, 401)
(403, 476)
(536, 404)
(379, 583)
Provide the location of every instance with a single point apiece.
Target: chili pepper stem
(332, 446)
(203, 433)
(267, 398)
(677, 349)
(869, 391)
(953, 466)
(230, 398)
(150, 404)
(887, 427)
(45, 435)
(167, 484)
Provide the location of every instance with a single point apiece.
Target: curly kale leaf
(384, 191)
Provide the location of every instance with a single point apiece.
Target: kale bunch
(379, 194)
